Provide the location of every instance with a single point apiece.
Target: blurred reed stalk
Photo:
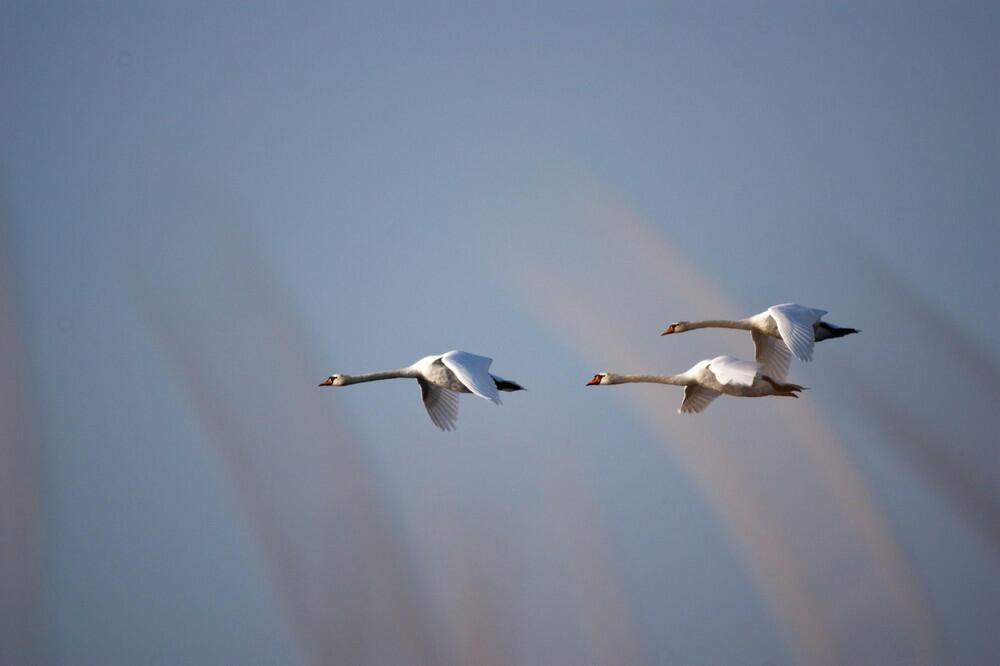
(21, 515)
(300, 474)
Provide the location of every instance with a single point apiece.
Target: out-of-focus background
(205, 209)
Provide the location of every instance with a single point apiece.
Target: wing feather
(772, 354)
(697, 398)
(441, 404)
(729, 370)
(474, 372)
(795, 325)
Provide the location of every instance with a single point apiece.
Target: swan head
(333, 380)
(599, 379)
(676, 327)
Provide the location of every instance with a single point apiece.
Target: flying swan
(707, 380)
(797, 326)
(442, 378)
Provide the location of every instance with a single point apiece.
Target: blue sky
(207, 209)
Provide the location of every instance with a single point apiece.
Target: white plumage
(707, 380)
(778, 333)
(795, 325)
(441, 378)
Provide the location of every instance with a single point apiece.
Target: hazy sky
(207, 209)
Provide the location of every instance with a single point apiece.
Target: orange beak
(594, 381)
(327, 382)
(668, 330)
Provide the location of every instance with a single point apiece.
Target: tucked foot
(782, 389)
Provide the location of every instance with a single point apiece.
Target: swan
(796, 326)
(709, 379)
(441, 378)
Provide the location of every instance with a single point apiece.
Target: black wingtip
(827, 331)
(507, 385)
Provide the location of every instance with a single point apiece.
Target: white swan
(442, 378)
(797, 326)
(707, 380)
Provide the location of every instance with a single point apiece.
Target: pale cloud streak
(603, 316)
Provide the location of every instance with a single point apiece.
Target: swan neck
(375, 376)
(675, 380)
(741, 324)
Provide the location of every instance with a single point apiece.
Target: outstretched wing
(729, 370)
(441, 404)
(474, 372)
(697, 398)
(772, 354)
(795, 324)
